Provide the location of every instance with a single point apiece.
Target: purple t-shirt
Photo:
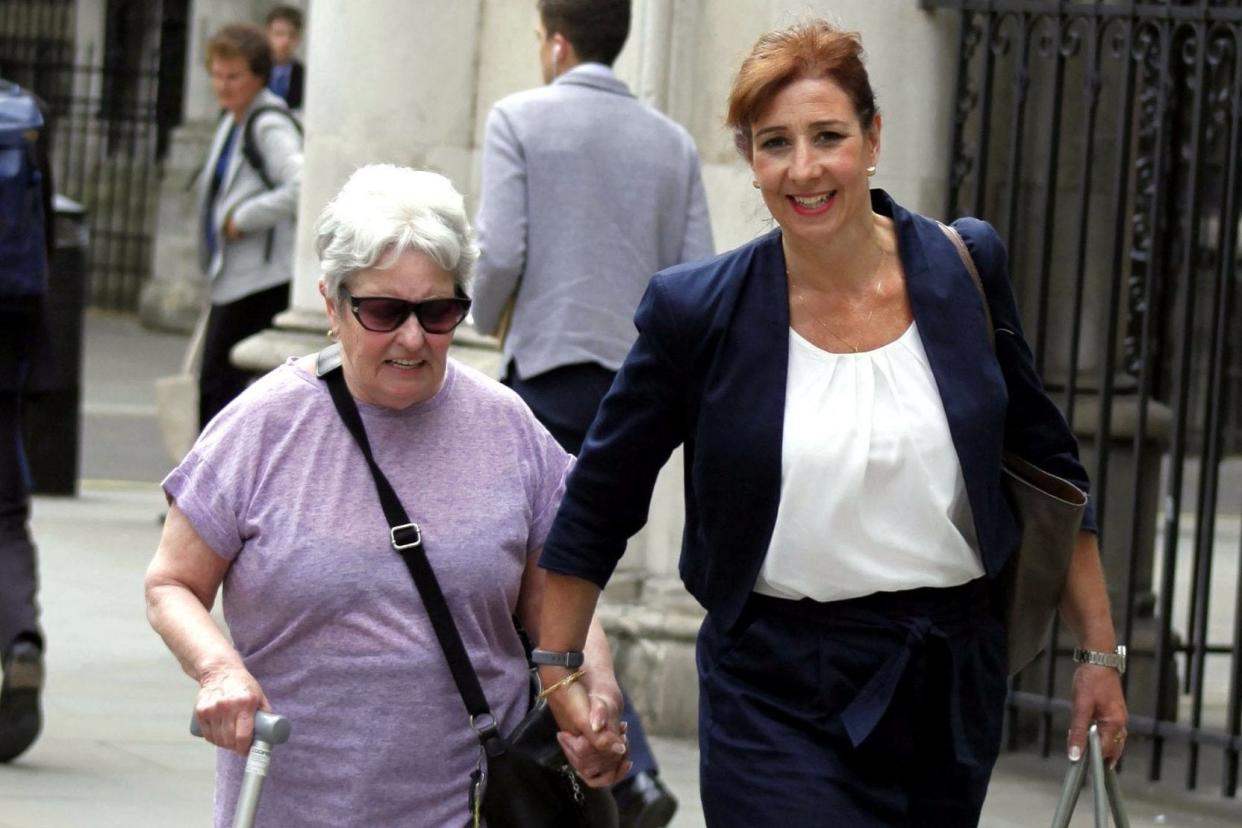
(324, 612)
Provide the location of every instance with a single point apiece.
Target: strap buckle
(406, 536)
(485, 727)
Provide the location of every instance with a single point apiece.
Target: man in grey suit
(587, 192)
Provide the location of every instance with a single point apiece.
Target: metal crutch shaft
(1096, 756)
(1103, 785)
(1114, 799)
(1069, 794)
(269, 729)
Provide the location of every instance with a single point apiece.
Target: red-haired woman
(843, 416)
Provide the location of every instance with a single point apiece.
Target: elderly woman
(247, 202)
(843, 415)
(275, 502)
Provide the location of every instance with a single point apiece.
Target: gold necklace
(879, 277)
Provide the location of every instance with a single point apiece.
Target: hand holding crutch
(1103, 785)
(269, 729)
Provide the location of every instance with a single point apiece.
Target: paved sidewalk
(115, 750)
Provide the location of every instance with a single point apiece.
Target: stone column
(388, 81)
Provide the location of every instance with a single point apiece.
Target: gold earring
(331, 333)
(754, 184)
(871, 171)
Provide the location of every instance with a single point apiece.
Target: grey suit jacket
(587, 192)
(240, 268)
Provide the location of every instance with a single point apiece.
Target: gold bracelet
(563, 683)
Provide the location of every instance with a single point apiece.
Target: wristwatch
(1115, 659)
(571, 659)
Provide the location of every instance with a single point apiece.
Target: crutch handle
(268, 727)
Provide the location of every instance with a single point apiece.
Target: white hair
(385, 210)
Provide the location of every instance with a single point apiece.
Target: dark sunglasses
(385, 313)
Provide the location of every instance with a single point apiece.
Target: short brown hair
(596, 28)
(242, 40)
(290, 14)
(810, 49)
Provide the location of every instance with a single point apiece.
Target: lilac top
(325, 614)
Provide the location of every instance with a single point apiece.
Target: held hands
(592, 734)
(227, 701)
(1096, 696)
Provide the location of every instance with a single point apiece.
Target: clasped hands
(592, 734)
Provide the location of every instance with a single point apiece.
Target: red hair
(811, 49)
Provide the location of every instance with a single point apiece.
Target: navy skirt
(884, 710)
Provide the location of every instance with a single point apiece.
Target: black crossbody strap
(407, 541)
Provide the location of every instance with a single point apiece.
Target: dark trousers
(565, 400)
(19, 582)
(876, 712)
(219, 380)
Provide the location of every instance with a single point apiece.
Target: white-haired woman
(276, 503)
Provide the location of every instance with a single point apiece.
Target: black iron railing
(1104, 141)
(111, 110)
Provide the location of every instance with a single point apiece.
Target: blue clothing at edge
(709, 370)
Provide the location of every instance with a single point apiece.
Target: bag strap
(250, 149)
(407, 540)
(969, 261)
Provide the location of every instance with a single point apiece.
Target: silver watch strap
(1115, 659)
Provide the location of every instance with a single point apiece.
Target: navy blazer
(709, 371)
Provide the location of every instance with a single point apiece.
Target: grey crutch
(1103, 785)
(269, 729)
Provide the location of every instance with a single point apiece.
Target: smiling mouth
(812, 202)
(406, 363)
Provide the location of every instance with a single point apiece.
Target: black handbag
(1049, 511)
(523, 781)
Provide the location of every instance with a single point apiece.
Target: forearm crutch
(269, 729)
(1103, 785)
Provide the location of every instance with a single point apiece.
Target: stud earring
(331, 333)
(754, 184)
(871, 171)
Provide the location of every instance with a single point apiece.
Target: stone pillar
(389, 82)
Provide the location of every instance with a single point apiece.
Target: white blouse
(872, 496)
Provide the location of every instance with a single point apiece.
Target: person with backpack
(247, 197)
(25, 248)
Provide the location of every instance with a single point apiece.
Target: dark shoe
(644, 802)
(20, 719)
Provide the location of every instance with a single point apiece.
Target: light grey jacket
(586, 193)
(240, 268)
